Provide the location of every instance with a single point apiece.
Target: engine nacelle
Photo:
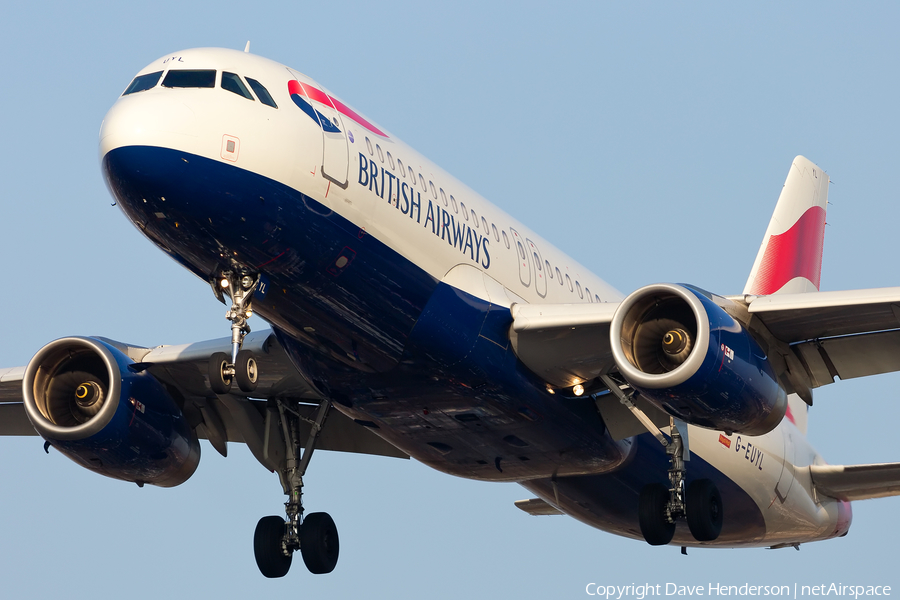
(684, 353)
(82, 396)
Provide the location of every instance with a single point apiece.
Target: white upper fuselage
(285, 145)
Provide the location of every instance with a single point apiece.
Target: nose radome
(148, 120)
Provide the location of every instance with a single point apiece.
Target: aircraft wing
(856, 482)
(843, 334)
(234, 417)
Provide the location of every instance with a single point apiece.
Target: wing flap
(11, 384)
(849, 357)
(14, 421)
(537, 507)
(564, 344)
(856, 482)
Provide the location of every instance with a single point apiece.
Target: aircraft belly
(460, 401)
(610, 501)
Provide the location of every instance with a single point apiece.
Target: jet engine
(96, 406)
(680, 350)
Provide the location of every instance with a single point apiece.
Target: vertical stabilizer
(790, 258)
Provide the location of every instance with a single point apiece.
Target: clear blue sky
(605, 127)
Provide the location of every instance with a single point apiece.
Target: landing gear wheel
(270, 557)
(219, 381)
(704, 510)
(655, 526)
(319, 543)
(246, 371)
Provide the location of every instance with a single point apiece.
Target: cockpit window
(262, 93)
(142, 83)
(190, 78)
(233, 83)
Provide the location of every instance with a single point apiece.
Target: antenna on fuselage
(247, 47)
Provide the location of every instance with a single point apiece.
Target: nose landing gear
(241, 366)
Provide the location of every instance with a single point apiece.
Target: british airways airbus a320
(412, 318)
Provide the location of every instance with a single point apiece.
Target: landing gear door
(335, 150)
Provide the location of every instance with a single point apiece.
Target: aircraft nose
(147, 119)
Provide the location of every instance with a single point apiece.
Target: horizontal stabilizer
(537, 507)
(857, 482)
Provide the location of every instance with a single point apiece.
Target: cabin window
(262, 93)
(369, 146)
(434, 192)
(484, 226)
(453, 202)
(443, 197)
(232, 82)
(587, 293)
(142, 83)
(580, 291)
(190, 78)
(569, 281)
(475, 217)
(400, 166)
(412, 176)
(462, 206)
(549, 269)
(496, 233)
(506, 239)
(391, 161)
(380, 153)
(422, 183)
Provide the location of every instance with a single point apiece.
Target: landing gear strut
(660, 506)
(241, 365)
(315, 535)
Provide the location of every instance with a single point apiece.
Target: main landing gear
(276, 539)
(660, 506)
(315, 535)
(240, 366)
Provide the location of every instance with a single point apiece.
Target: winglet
(790, 258)
(247, 47)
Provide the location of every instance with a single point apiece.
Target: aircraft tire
(246, 371)
(270, 558)
(655, 528)
(704, 510)
(218, 381)
(319, 543)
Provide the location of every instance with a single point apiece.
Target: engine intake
(680, 350)
(82, 397)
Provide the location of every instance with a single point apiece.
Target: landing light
(578, 389)
(223, 283)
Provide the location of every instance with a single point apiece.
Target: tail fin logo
(795, 253)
